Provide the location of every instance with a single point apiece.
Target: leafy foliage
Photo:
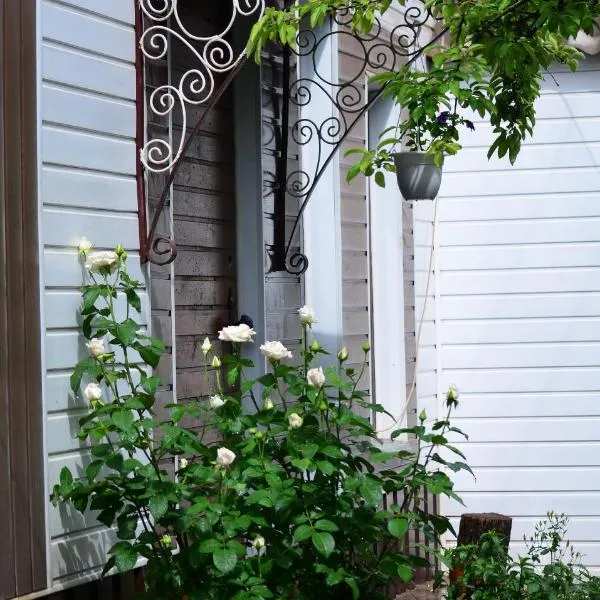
(550, 570)
(490, 66)
(282, 500)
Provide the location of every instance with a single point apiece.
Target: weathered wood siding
(195, 296)
(518, 314)
(88, 188)
(22, 489)
(284, 293)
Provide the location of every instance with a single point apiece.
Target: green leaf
(405, 572)
(380, 179)
(159, 504)
(93, 469)
(224, 559)
(303, 532)
(134, 300)
(323, 542)
(123, 420)
(126, 332)
(210, 546)
(326, 525)
(125, 556)
(149, 384)
(398, 527)
(149, 355)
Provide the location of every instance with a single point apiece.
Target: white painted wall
(87, 188)
(518, 314)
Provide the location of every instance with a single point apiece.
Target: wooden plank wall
(202, 280)
(284, 293)
(22, 490)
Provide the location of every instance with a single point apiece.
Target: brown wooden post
(472, 527)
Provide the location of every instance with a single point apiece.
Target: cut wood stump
(474, 525)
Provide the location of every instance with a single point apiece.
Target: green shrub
(278, 482)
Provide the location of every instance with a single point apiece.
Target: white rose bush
(279, 482)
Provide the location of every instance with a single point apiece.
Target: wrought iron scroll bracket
(157, 22)
(401, 47)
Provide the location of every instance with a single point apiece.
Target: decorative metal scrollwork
(213, 55)
(378, 50)
(158, 24)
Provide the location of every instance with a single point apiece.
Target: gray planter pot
(419, 178)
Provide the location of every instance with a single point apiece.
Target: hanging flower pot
(419, 178)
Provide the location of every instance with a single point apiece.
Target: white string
(413, 385)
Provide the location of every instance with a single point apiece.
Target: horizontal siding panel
(73, 187)
(529, 504)
(550, 131)
(504, 306)
(82, 71)
(61, 309)
(59, 395)
(505, 182)
(537, 454)
(64, 349)
(81, 552)
(88, 151)
(61, 431)
(535, 404)
(530, 231)
(524, 380)
(554, 429)
(74, 28)
(525, 281)
(120, 11)
(481, 356)
(64, 227)
(536, 157)
(519, 257)
(65, 269)
(79, 109)
(515, 207)
(531, 479)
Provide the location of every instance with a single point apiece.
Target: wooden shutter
(22, 527)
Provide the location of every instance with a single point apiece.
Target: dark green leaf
(398, 527)
(224, 559)
(323, 542)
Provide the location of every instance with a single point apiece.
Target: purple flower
(469, 125)
(442, 118)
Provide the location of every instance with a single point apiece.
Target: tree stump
(474, 525)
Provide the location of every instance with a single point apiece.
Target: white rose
(98, 260)
(216, 401)
(307, 315)
(268, 404)
(216, 362)
(183, 463)
(96, 347)
(92, 392)
(206, 346)
(84, 245)
(225, 457)
(237, 333)
(295, 421)
(275, 351)
(453, 393)
(343, 354)
(316, 377)
(258, 542)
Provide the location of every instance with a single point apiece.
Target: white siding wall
(88, 189)
(518, 314)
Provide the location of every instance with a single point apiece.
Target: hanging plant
(492, 65)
